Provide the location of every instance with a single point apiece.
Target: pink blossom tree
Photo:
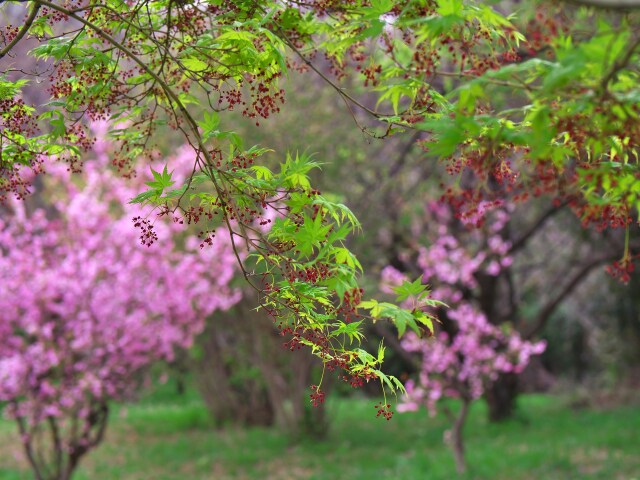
(468, 353)
(485, 255)
(463, 365)
(85, 308)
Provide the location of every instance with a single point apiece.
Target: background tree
(86, 309)
(462, 366)
(247, 376)
(488, 258)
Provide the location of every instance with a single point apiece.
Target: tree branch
(23, 31)
(531, 231)
(173, 97)
(545, 313)
(57, 445)
(27, 439)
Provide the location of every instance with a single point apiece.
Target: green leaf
(144, 197)
(562, 73)
(343, 255)
(194, 64)
(161, 180)
(262, 172)
(424, 319)
(410, 289)
(402, 318)
(351, 330)
(381, 350)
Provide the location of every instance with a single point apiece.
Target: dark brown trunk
(246, 376)
(501, 397)
(223, 370)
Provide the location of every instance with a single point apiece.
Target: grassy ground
(167, 438)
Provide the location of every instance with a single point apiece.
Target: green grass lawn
(166, 437)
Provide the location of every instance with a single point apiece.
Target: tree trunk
(246, 376)
(457, 439)
(501, 397)
(28, 447)
(225, 372)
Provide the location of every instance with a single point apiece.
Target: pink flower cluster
(453, 261)
(84, 308)
(464, 364)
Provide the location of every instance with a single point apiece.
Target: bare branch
(533, 229)
(545, 312)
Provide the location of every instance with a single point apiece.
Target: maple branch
(391, 339)
(621, 63)
(23, 31)
(173, 97)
